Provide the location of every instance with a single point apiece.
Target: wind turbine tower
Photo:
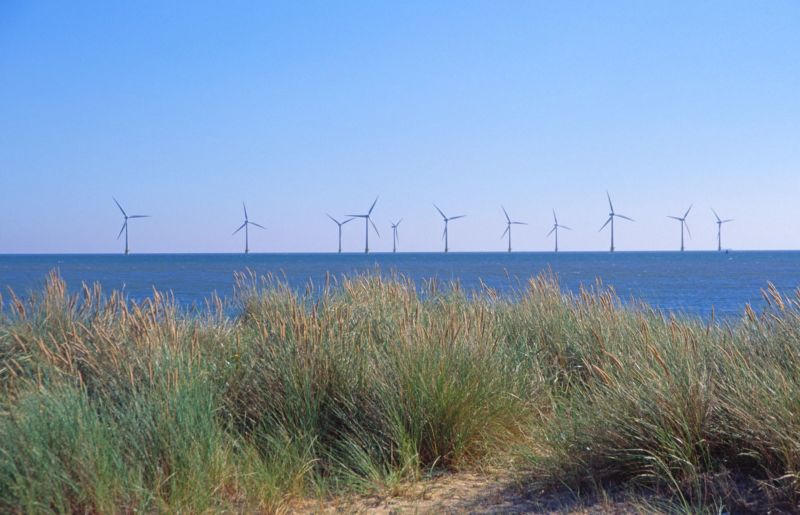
(509, 223)
(446, 221)
(125, 223)
(246, 225)
(340, 224)
(610, 220)
(719, 229)
(556, 227)
(394, 235)
(682, 220)
(367, 221)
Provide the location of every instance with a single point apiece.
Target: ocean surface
(686, 283)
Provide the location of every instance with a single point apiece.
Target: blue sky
(184, 109)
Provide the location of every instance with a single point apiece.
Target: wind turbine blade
(687, 211)
(257, 225)
(440, 211)
(728, 220)
(245, 210)
(139, 216)
(123, 228)
(357, 216)
(565, 227)
(506, 213)
(609, 202)
(372, 206)
(715, 215)
(552, 230)
(625, 217)
(348, 220)
(520, 223)
(374, 227)
(120, 207)
(674, 217)
(687, 228)
(444, 232)
(239, 229)
(334, 220)
(555, 220)
(398, 222)
(457, 217)
(504, 233)
(607, 222)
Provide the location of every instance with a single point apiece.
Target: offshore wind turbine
(509, 223)
(367, 222)
(719, 229)
(446, 220)
(394, 235)
(125, 223)
(556, 227)
(611, 217)
(682, 220)
(340, 224)
(245, 226)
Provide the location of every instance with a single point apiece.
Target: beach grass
(370, 382)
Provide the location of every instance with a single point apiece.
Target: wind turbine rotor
(120, 208)
(239, 229)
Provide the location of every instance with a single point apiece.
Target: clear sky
(184, 109)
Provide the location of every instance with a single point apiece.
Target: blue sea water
(687, 283)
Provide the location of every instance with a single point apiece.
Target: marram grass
(112, 406)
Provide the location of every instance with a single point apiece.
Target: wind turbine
(682, 220)
(555, 228)
(719, 229)
(446, 220)
(340, 224)
(245, 226)
(367, 221)
(611, 217)
(509, 223)
(125, 223)
(394, 235)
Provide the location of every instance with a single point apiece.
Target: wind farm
(370, 226)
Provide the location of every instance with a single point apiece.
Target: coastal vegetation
(371, 382)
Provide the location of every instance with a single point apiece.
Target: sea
(694, 284)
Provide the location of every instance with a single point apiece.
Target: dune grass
(108, 405)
